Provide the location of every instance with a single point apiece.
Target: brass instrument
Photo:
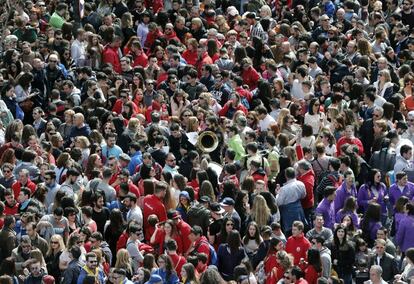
(207, 141)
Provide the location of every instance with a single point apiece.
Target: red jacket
(311, 275)
(11, 210)
(244, 93)
(308, 179)
(172, 36)
(205, 59)
(131, 187)
(269, 263)
(225, 109)
(184, 230)
(191, 57)
(110, 55)
(275, 275)
(122, 241)
(151, 37)
(250, 77)
(153, 205)
(353, 141)
(298, 247)
(140, 60)
(178, 262)
(118, 107)
(160, 239)
(201, 246)
(16, 186)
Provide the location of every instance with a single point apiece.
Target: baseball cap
(228, 201)
(154, 279)
(125, 157)
(204, 199)
(216, 208)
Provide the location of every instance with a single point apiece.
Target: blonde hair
(56, 238)
(84, 142)
(282, 114)
(260, 211)
(123, 260)
(192, 124)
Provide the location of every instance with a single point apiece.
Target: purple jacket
(397, 219)
(342, 194)
(365, 196)
(396, 193)
(373, 228)
(405, 237)
(341, 214)
(327, 209)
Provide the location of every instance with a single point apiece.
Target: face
(7, 172)
(111, 142)
(403, 181)
(377, 177)
(54, 244)
(295, 231)
(252, 231)
(161, 263)
(167, 229)
(319, 221)
(35, 269)
(340, 234)
(22, 197)
(229, 226)
(23, 178)
(92, 262)
(183, 273)
(9, 199)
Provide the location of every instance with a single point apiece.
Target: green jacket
(236, 144)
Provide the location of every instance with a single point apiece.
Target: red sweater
(160, 238)
(178, 262)
(140, 60)
(311, 275)
(153, 205)
(190, 57)
(205, 59)
(201, 246)
(250, 77)
(17, 186)
(184, 230)
(308, 179)
(110, 55)
(118, 107)
(298, 247)
(353, 141)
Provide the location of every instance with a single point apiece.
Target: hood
(325, 250)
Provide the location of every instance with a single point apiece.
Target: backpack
(213, 253)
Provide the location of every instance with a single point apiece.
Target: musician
(178, 142)
(213, 126)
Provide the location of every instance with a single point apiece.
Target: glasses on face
(93, 261)
(186, 115)
(6, 171)
(54, 242)
(47, 178)
(376, 115)
(174, 82)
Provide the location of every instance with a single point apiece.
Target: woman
(9, 97)
(403, 237)
(230, 255)
(349, 209)
(343, 255)
(71, 214)
(163, 233)
(287, 127)
(83, 143)
(260, 212)
(384, 86)
(65, 257)
(143, 275)
(313, 268)
(8, 267)
(190, 54)
(94, 162)
(149, 263)
(399, 213)
(274, 260)
(179, 103)
(188, 275)
(373, 191)
(113, 230)
(124, 261)
(184, 204)
(314, 117)
(63, 163)
(66, 127)
(408, 270)
(347, 189)
(252, 239)
(371, 222)
(56, 248)
(166, 270)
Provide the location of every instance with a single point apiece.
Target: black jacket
(71, 274)
(388, 264)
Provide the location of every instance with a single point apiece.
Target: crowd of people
(207, 142)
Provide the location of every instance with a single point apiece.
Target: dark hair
(234, 241)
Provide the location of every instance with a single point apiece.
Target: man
(228, 206)
(132, 245)
(119, 8)
(80, 128)
(235, 142)
(319, 230)
(403, 162)
(297, 244)
(97, 242)
(58, 17)
(216, 225)
(123, 178)
(203, 58)
(11, 206)
(319, 244)
(207, 78)
(375, 272)
(36, 240)
(136, 156)
(265, 120)
(110, 54)
(407, 13)
(351, 51)
(70, 92)
(78, 48)
(22, 253)
(288, 199)
(171, 164)
(37, 274)
(52, 187)
(157, 151)
(25, 202)
(193, 87)
(134, 212)
(256, 28)
(8, 240)
(307, 176)
(127, 70)
(402, 187)
(119, 275)
(295, 276)
(100, 213)
(199, 242)
(326, 207)
(367, 127)
(199, 214)
(111, 149)
(27, 163)
(59, 223)
(91, 269)
(385, 260)
(109, 191)
(72, 272)
(70, 185)
(331, 178)
(153, 204)
(23, 181)
(382, 233)
(177, 260)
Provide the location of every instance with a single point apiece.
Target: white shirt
(264, 124)
(292, 191)
(78, 51)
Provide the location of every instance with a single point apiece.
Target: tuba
(207, 141)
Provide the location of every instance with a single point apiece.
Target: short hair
(197, 230)
(76, 252)
(335, 163)
(25, 190)
(405, 149)
(90, 255)
(171, 245)
(132, 197)
(299, 225)
(400, 175)
(98, 236)
(160, 186)
(290, 173)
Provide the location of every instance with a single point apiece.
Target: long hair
(234, 241)
(337, 242)
(286, 260)
(56, 238)
(314, 259)
(260, 211)
(168, 266)
(256, 236)
(190, 271)
(123, 260)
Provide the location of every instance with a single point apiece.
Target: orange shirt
(409, 103)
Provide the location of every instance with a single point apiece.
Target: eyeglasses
(54, 242)
(186, 115)
(376, 115)
(93, 261)
(48, 178)
(6, 171)
(174, 82)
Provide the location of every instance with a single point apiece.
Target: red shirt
(140, 60)
(250, 77)
(190, 57)
(160, 238)
(11, 210)
(352, 141)
(122, 241)
(308, 179)
(17, 186)
(110, 55)
(298, 247)
(184, 230)
(153, 205)
(201, 246)
(178, 262)
(132, 188)
(269, 263)
(205, 59)
(311, 275)
(118, 107)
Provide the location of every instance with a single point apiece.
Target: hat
(169, 25)
(216, 208)
(251, 15)
(228, 201)
(185, 194)
(410, 115)
(232, 11)
(324, 17)
(174, 214)
(154, 279)
(48, 279)
(125, 157)
(241, 119)
(204, 199)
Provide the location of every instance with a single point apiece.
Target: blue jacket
(173, 279)
(405, 237)
(83, 273)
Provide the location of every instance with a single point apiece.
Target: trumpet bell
(207, 141)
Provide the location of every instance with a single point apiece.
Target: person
(297, 244)
(375, 275)
(132, 245)
(91, 268)
(343, 254)
(8, 240)
(199, 242)
(386, 261)
(153, 205)
(403, 239)
(166, 270)
(319, 230)
(402, 187)
(288, 199)
(326, 207)
(36, 275)
(229, 255)
(71, 274)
